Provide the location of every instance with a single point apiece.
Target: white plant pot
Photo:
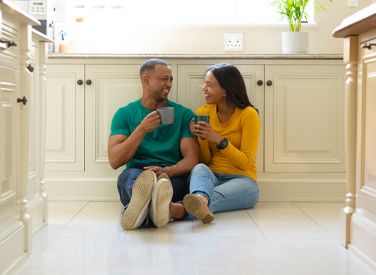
(295, 42)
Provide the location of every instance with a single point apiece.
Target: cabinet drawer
(10, 31)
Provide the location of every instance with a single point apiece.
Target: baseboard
(363, 237)
(36, 210)
(293, 189)
(12, 248)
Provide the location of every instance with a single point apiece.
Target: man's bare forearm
(120, 154)
(190, 151)
(183, 167)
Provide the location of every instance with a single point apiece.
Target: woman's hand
(193, 128)
(204, 131)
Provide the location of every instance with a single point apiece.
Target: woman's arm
(244, 157)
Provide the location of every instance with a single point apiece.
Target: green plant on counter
(294, 11)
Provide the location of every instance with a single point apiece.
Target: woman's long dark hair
(230, 79)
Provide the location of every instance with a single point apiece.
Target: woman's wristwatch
(223, 144)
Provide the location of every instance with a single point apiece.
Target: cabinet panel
(113, 87)
(65, 118)
(367, 195)
(304, 119)
(10, 31)
(9, 138)
(191, 79)
(33, 180)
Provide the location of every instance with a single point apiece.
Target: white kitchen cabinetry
(22, 200)
(304, 118)
(300, 154)
(37, 202)
(81, 104)
(358, 218)
(65, 119)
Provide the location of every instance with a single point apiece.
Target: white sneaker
(138, 207)
(159, 210)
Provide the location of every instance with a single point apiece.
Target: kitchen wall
(136, 39)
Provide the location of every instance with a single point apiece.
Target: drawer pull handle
(80, 82)
(23, 100)
(368, 46)
(269, 83)
(9, 43)
(30, 68)
(88, 82)
(260, 82)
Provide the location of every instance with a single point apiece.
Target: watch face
(223, 144)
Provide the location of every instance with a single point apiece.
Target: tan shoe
(138, 207)
(163, 176)
(159, 210)
(195, 205)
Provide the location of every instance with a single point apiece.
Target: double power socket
(233, 42)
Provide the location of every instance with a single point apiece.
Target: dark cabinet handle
(88, 82)
(23, 100)
(30, 68)
(260, 82)
(269, 83)
(9, 43)
(368, 46)
(80, 82)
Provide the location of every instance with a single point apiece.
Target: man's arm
(121, 148)
(190, 150)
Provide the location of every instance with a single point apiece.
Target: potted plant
(294, 11)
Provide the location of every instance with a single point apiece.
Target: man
(152, 150)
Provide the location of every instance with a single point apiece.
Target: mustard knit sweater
(242, 132)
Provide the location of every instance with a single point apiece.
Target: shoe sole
(137, 209)
(159, 208)
(193, 205)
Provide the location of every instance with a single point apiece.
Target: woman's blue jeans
(224, 192)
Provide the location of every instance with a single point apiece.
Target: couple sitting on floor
(220, 156)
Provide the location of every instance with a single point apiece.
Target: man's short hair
(148, 67)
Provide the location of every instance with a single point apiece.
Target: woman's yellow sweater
(242, 132)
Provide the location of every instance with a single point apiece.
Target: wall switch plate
(353, 3)
(233, 42)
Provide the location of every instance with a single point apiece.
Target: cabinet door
(112, 87)
(190, 94)
(366, 189)
(9, 153)
(304, 118)
(65, 118)
(33, 167)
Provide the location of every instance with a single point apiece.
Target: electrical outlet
(233, 42)
(353, 3)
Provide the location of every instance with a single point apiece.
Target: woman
(225, 179)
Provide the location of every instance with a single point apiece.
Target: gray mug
(167, 115)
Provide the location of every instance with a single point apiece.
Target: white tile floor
(272, 238)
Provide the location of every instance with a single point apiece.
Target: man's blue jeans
(224, 192)
(129, 176)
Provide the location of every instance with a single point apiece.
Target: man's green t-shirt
(160, 147)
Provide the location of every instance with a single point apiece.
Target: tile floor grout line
(271, 247)
(315, 221)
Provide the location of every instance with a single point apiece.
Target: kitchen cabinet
(304, 118)
(300, 103)
(22, 198)
(36, 197)
(358, 218)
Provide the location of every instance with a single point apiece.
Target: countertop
(195, 56)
